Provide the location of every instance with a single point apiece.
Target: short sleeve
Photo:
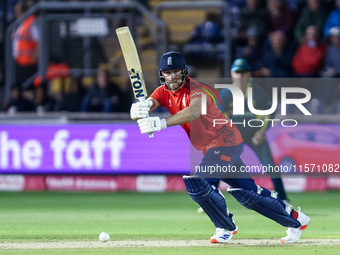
(158, 95)
(198, 90)
(196, 93)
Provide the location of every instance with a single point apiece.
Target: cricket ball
(103, 237)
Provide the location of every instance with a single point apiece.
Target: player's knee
(247, 198)
(198, 188)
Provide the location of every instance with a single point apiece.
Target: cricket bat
(132, 63)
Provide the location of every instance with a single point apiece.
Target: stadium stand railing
(59, 19)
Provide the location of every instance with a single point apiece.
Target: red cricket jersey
(201, 132)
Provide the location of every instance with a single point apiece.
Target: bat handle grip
(142, 100)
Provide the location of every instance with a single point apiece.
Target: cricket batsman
(220, 144)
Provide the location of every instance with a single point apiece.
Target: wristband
(163, 123)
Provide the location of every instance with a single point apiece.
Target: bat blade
(133, 65)
(132, 62)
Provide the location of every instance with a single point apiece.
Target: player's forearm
(155, 103)
(184, 116)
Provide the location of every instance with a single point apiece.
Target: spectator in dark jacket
(332, 58)
(17, 103)
(252, 16)
(102, 96)
(252, 52)
(236, 3)
(277, 57)
(327, 90)
(42, 101)
(71, 100)
(235, 7)
(207, 32)
(314, 14)
(281, 17)
(293, 4)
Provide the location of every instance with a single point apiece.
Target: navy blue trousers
(229, 158)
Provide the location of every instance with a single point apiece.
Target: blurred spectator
(327, 90)
(312, 15)
(252, 52)
(71, 100)
(103, 96)
(307, 61)
(277, 57)
(252, 16)
(332, 58)
(333, 19)
(293, 5)
(236, 3)
(296, 5)
(208, 32)
(235, 7)
(17, 103)
(280, 16)
(10, 16)
(42, 101)
(25, 45)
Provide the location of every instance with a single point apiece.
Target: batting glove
(151, 124)
(140, 110)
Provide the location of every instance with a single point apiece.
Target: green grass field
(81, 217)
